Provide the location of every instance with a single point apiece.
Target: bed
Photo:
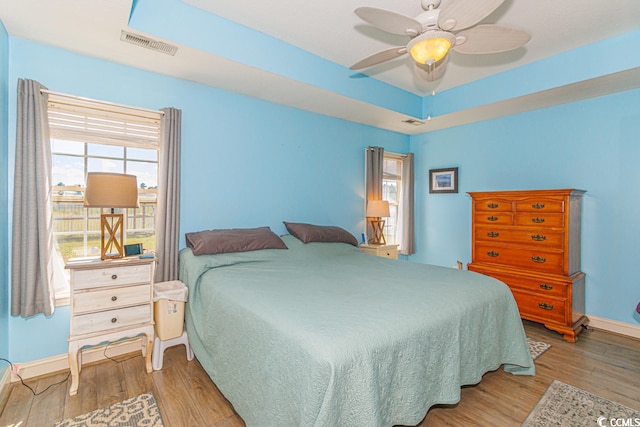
(322, 334)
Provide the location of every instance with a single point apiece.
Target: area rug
(565, 405)
(537, 348)
(137, 411)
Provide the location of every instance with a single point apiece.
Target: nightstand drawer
(106, 299)
(112, 276)
(111, 319)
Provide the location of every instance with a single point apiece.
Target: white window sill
(62, 299)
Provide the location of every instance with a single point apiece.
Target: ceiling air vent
(413, 122)
(148, 43)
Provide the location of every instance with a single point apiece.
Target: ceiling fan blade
(490, 39)
(391, 22)
(431, 73)
(380, 57)
(460, 14)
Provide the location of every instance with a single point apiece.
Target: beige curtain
(32, 239)
(407, 220)
(168, 214)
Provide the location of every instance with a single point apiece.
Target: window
(391, 192)
(94, 136)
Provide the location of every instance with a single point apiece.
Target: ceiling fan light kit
(435, 32)
(431, 47)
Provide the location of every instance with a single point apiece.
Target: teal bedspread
(322, 334)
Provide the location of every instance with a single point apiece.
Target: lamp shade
(111, 190)
(377, 208)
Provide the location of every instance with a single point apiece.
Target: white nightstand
(385, 251)
(110, 300)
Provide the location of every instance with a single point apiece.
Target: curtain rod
(49, 92)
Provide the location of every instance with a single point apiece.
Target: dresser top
(528, 193)
(89, 263)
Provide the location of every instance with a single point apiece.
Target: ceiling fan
(437, 31)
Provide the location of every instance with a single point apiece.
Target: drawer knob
(538, 259)
(546, 286)
(492, 218)
(539, 237)
(388, 253)
(545, 306)
(538, 206)
(493, 254)
(114, 320)
(537, 220)
(114, 298)
(114, 276)
(492, 205)
(493, 234)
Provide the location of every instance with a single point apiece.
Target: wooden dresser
(110, 300)
(530, 240)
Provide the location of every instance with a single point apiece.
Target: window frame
(87, 122)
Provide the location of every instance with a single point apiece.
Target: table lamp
(111, 190)
(377, 209)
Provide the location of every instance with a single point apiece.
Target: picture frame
(443, 180)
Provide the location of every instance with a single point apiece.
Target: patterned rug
(565, 405)
(134, 412)
(537, 348)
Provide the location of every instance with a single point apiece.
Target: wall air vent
(148, 43)
(413, 122)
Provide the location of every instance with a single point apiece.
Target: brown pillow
(211, 242)
(320, 233)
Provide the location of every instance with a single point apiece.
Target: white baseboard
(61, 361)
(614, 326)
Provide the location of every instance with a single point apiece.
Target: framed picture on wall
(443, 180)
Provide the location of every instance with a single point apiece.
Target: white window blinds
(85, 120)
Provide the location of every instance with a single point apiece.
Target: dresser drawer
(538, 260)
(540, 308)
(112, 276)
(539, 219)
(495, 218)
(110, 319)
(105, 299)
(543, 288)
(493, 205)
(540, 205)
(541, 238)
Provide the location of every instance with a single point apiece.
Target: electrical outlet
(16, 369)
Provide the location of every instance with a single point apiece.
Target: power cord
(27, 386)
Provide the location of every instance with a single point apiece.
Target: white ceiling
(328, 29)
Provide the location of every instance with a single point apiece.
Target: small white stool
(159, 346)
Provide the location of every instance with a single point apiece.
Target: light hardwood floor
(602, 363)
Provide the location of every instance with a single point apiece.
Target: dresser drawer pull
(538, 206)
(114, 276)
(539, 237)
(492, 218)
(114, 319)
(545, 306)
(493, 234)
(538, 259)
(114, 298)
(537, 220)
(545, 286)
(493, 254)
(492, 205)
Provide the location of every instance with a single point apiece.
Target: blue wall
(4, 251)
(591, 145)
(245, 162)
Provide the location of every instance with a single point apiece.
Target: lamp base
(111, 236)
(378, 232)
